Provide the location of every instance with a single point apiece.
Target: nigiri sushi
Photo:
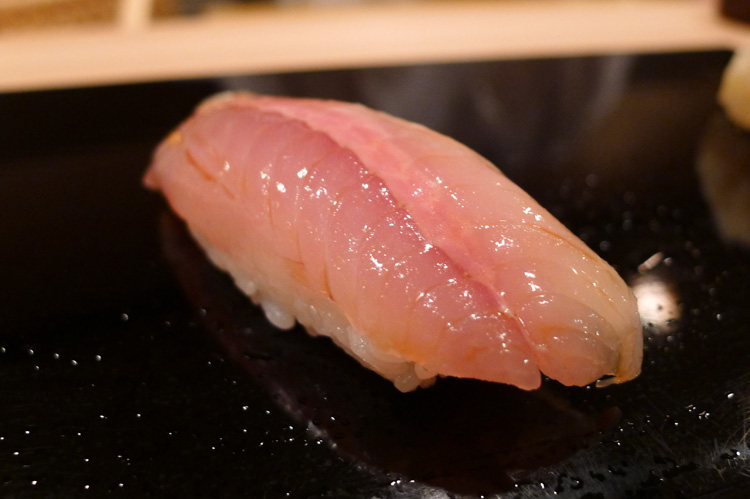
(412, 252)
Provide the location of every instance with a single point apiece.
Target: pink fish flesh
(409, 250)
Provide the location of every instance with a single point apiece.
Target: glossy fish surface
(412, 252)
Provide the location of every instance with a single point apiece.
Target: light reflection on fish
(415, 254)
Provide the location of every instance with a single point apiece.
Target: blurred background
(64, 43)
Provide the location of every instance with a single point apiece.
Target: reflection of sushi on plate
(462, 446)
(410, 251)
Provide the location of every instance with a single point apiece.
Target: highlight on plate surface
(413, 253)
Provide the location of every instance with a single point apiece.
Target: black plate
(130, 367)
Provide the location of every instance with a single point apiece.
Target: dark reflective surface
(129, 367)
(464, 436)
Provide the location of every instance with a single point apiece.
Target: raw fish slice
(412, 252)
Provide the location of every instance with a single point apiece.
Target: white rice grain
(319, 316)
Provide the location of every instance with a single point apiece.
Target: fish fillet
(409, 250)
